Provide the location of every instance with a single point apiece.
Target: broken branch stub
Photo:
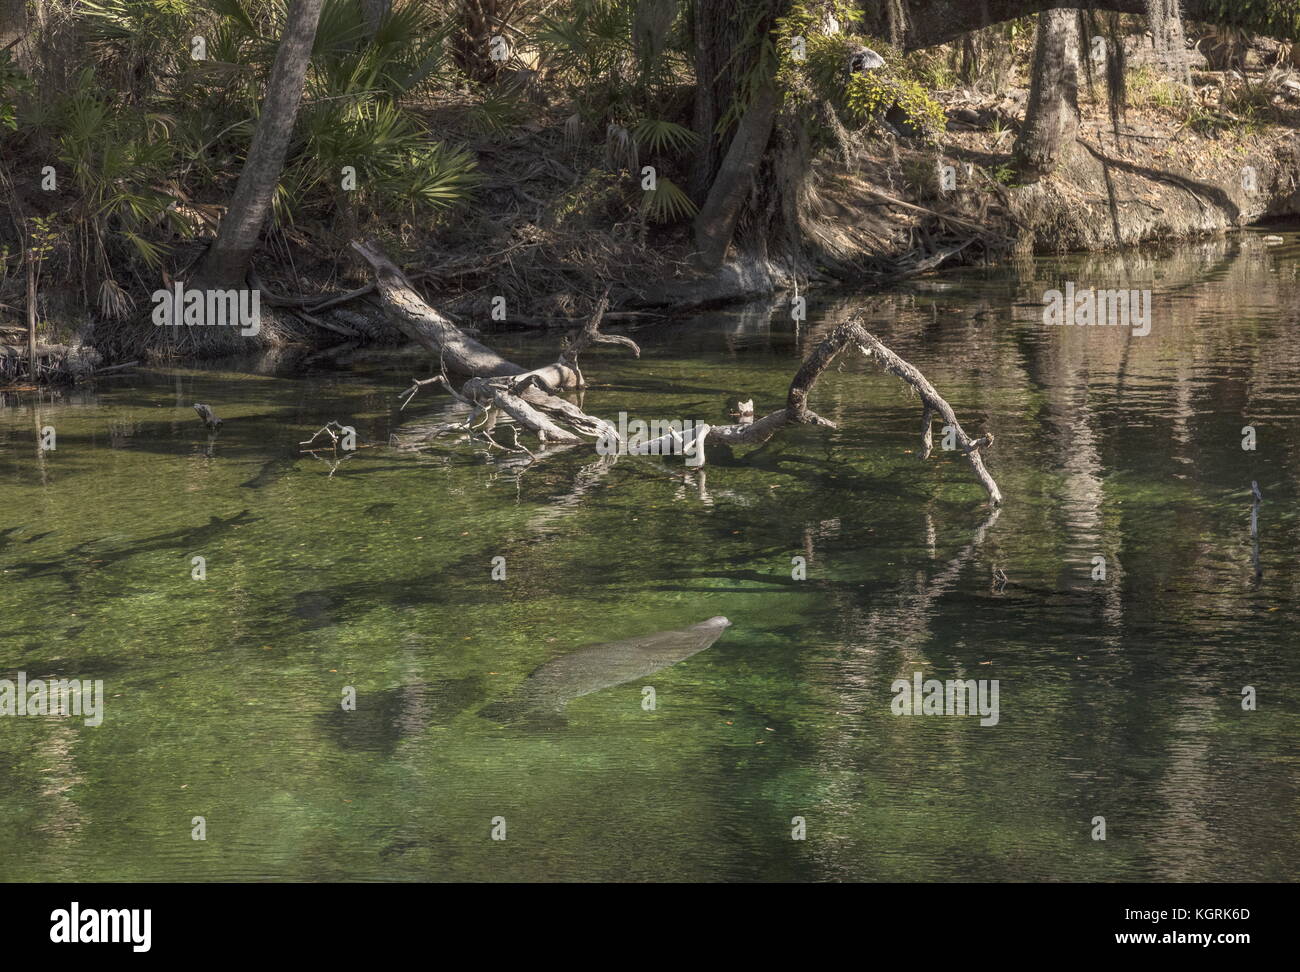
(590, 334)
(208, 416)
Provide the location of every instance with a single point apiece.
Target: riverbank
(550, 224)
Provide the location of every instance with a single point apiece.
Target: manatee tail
(512, 712)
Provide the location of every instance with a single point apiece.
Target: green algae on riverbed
(1119, 698)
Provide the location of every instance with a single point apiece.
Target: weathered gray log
(42, 350)
(460, 354)
(465, 356)
(484, 391)
(73, 361)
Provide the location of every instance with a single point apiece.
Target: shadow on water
(384, 718)
(89, 555)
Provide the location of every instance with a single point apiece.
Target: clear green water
(1118, 698)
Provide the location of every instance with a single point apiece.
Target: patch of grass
(1147, 88)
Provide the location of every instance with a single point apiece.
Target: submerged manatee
(587, 670)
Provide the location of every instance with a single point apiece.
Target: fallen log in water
(852, 333)
(496, 388)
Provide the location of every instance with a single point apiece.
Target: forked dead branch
(497, 389)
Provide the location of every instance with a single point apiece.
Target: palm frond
(667, 203)
(660, 135)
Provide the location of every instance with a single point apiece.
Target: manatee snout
(716, 622)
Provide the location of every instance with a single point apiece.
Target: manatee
(552, 686)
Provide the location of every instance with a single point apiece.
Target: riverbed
(844, 562)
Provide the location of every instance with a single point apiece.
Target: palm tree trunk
(227, 260)
(715, 224)
(724, 169)
(471, 46)
(374, 11)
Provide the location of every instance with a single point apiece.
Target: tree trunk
(715, 224)
(728, 159)
(932, 22)
(1052, 114)
(31, 312)
(1165, 19)
(471, 47)
(374, 12)
(227, 261)
(719, 27)
(13, 28)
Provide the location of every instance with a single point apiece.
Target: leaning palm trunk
(715, 224)
(729, 157)
(227, 261)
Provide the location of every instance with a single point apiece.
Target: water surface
(1118, 698)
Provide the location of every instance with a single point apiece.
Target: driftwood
(42, 350)
(208, 416)
(497, 389)
(71, 362)
(527, 397)
(796, 412)
(590, 334)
